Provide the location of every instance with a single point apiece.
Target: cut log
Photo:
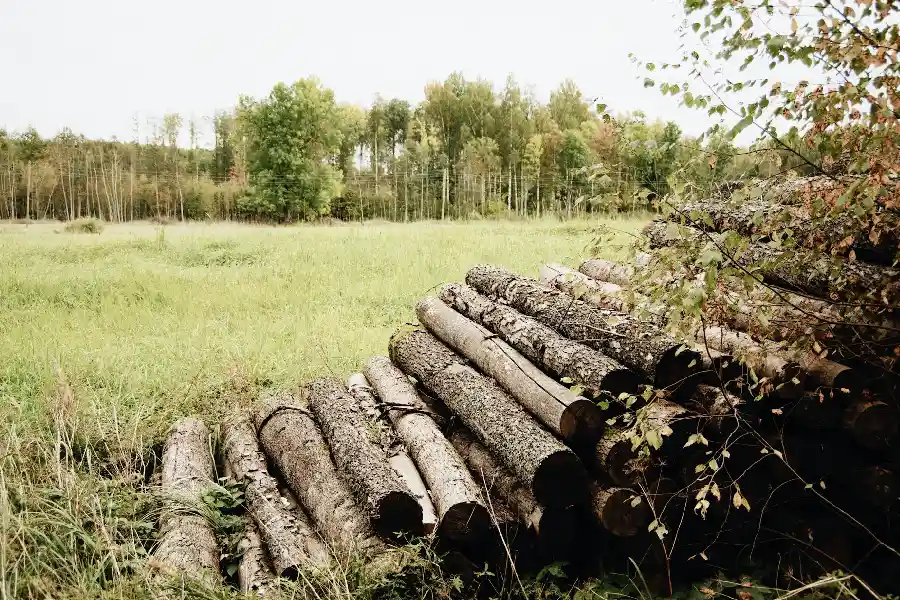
(255, 569)
(621, 511)
(609, 271)
(543, 345)
(720, 368)
(787, 378)
(824, 373)
(663, 416)
(782, 206)
(292, 440)
(554, 527)
(574, 418)
(616, 460)
(639, 345)
(403, 465)
(463, 519)
(815, 410)
(392, 508)
(815, 274)
(727, 413)
(599, 293)
(187, 542)
(289, 538)
(554, 473)
(872, 424)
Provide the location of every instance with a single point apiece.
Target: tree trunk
(554, 527)
(719, 368)
(616, 460)
(255, 569)
(873, 425)
(554, 473)
(641, 346)
(291, 542)
(391, 506)
(599, 293)
(293, 441)
(574, 418)
(403, 465)
(783, 207)
(463, 520)
(724, 411)
(187, 542)
(615, 509)
(819, 275)
(786, 379)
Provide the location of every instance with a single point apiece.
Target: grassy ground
(106, 338)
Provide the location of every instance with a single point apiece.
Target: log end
(676, 367)
(620, 381)
(582, 423)
(619, 514)
(400, 515)
(465, 525)
(558, 528)
(560, 481)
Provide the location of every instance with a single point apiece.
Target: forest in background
(466, 151)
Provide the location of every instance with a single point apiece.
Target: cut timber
(391, 506)
(819, 275)
(187, 543)
(555, 527)
(719, 368)
(616, 459)
(403, 465)
(291, 542)
(599, 293)
(255, 569)
(463, 518)
(543, 345)
(873, 424)
(621, 511)
(642, 346)
(609, 271)
(787, 378)
(724, 410)
(292, 440)
(574, 418)
(782, 206)
(824, 373)
(554, 473)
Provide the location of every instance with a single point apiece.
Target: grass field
(106, 338)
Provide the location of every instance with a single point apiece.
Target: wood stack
(564, 417)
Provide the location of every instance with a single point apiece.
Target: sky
(95, 65)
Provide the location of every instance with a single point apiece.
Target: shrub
(84, 226)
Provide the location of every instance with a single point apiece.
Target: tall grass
(105, 340)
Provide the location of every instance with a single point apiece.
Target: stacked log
(552, 471)
(187, 543)
(639, 345)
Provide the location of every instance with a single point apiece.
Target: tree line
(467, 150)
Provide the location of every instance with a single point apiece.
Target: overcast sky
(93, 65)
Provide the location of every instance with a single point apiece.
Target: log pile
(563, 418)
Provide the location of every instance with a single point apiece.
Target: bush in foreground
(84, 226)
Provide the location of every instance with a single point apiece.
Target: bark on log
(291, 542)
(391, 506)
(616, 460)
(639, 345)
(872, 424)
(599, 293)
(661, 414)
(782, 207)
(609, 271)
(255, 569)
(187, 542)
(403, 465)
(543, 345)
(787, 377)
(574, 418)
(293, 441)
(554, 527)
(720, 368)
(815, 274)
(554, 473)
(724, 411)
(463, 518)
(615, 510)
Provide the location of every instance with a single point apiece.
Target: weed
(84, 226)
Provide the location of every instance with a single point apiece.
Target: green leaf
(654, 439)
